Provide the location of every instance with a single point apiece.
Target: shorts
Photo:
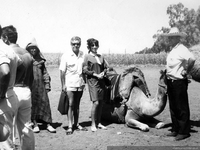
(81, 88)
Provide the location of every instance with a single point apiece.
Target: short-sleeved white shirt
(72, 66)
(4, 58)
(7, 55)
(177, 61)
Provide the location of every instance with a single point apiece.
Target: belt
(172, 80)
(169, 79)
(21, 85)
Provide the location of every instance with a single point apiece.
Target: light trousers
(17, 111)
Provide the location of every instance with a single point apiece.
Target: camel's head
(111, 70)
(163, 80)
(126, 81)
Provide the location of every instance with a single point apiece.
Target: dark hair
(10, 32)
(91, 42)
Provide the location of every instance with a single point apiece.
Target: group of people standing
(76, 69)
(16, 70)
(25, 83)
(73, 67)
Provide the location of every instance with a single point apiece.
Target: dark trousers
(179, 106)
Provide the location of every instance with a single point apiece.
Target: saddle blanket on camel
(113, 97)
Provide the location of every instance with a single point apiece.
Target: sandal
(80, 128)
(93, 129)
(100, 126)
(69, 131)
(51, 129)
(36, 129)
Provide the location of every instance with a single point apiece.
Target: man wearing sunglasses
(72, 82)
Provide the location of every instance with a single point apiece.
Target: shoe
(100, 126)
(69, 131)
(181, 137)
(36, 129)
(93, 129)
(172, 134)
(80, 128)
(51, 129)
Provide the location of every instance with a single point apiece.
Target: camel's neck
(145, 106)
(158, 102)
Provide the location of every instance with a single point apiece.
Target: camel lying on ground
(132, 104)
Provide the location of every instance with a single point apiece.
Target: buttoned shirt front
(177, 61)
(72, 65)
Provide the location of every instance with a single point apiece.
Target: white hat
(174, 32)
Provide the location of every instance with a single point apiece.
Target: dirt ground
(117, 134)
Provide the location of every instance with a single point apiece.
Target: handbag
(63, 104)
(107, 81)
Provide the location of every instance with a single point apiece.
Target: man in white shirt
(179, 63)
(23, 84)
(72, 82)
(9, 61)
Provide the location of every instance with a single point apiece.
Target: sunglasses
(75, 44)
(93, 45)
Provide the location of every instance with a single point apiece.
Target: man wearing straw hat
(179, 63)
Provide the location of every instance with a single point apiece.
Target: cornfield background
(53, 59)
(117, 59)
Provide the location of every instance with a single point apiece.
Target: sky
(120, 26)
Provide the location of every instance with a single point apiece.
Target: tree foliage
(185, 20)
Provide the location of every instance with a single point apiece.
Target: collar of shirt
(176, 46)
(97, 55)
(80, 53)
(14, 45)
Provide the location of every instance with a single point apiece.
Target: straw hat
(174, 32)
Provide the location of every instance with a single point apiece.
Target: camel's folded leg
(160, 125)
(155, 123)
(132, 122)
